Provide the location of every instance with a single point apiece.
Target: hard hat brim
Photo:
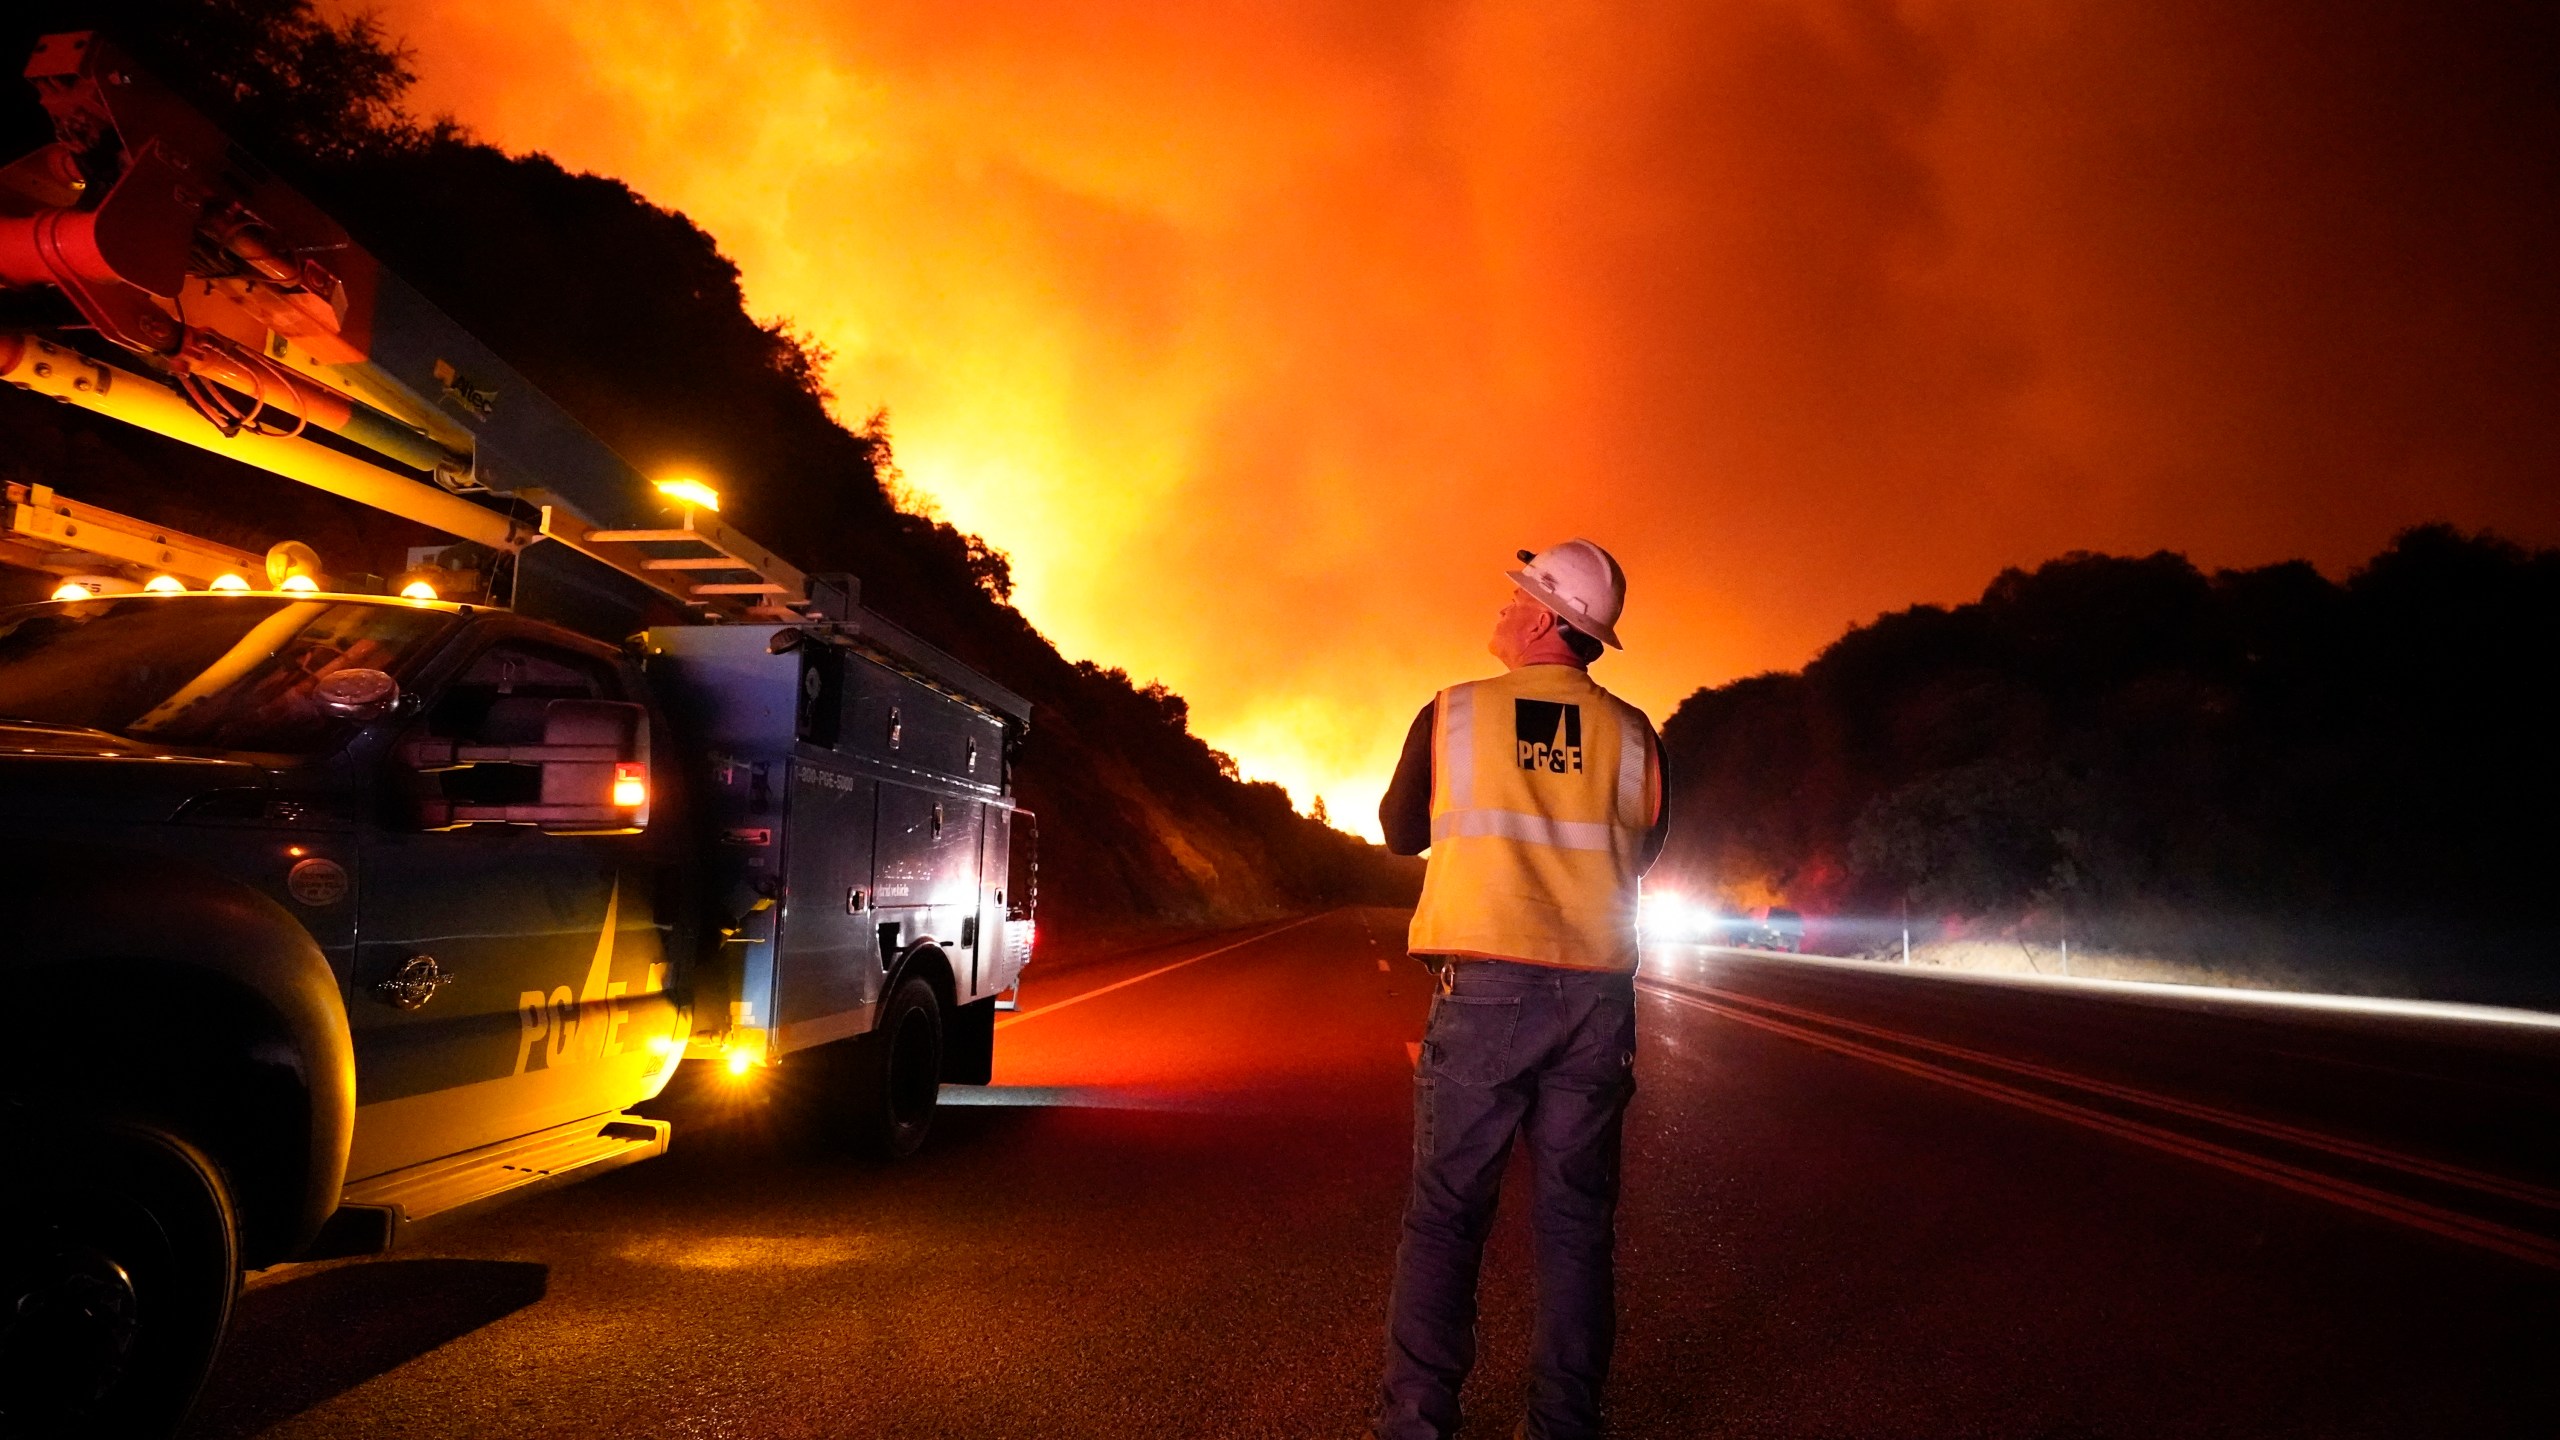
(1537, 590)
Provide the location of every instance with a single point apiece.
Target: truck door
(541, 954)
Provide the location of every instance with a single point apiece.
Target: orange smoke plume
(1261, 336)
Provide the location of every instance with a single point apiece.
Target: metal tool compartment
(787, 847)
(830, 962)
(848, 790)
(735, 707)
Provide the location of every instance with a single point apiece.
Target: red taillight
(630, 786)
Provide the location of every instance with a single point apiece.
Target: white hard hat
(1581, 583)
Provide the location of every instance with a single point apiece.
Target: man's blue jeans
(1548, 1054)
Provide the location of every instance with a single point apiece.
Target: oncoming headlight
(1674, 919)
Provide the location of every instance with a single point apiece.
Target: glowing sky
(1260, 335)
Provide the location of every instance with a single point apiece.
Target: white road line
(1382, 967)
(1019, 1016)
(2448, 1011)
(2434, 1219)
(2340, 1146)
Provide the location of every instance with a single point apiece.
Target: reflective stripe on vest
(1635, 742)
(1455, 771)
(1535, 829)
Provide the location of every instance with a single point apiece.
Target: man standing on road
(1541, 798)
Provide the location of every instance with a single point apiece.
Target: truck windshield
(209, 672)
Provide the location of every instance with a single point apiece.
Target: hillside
(2262, 775)
(629, 315)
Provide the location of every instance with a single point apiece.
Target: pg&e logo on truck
(1550, 735)
(580, 1027)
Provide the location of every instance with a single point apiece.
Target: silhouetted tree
(2365, 765)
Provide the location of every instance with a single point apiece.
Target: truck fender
(156, 988)
(928, 959)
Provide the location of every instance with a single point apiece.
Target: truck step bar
(374, 1213)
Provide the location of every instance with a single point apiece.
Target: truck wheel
(898, 1070)
(119, 1257)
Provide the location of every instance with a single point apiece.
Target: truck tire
(898, 1074)
(119, 1258)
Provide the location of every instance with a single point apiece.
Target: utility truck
(331, 904)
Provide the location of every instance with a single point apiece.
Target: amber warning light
(690, 492)
(630, 787)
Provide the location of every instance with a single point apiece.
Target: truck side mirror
(357, 694)
(588, 773)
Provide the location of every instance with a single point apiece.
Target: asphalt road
(1859, 1203)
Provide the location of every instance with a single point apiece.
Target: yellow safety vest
(1542, 788)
